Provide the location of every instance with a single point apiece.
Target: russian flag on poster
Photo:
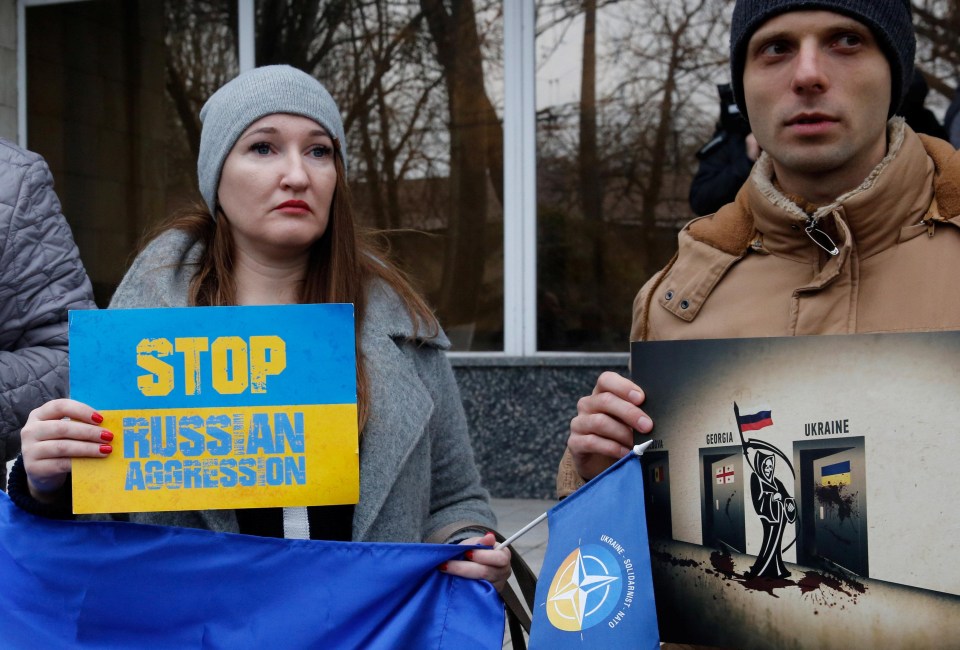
(121, 585)
(755, 418)
(595, 588)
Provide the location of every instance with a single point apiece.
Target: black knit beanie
(890, 21)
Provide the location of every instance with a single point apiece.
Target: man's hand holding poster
(799, 489)
(218, 407)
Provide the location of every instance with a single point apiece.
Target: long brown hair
(341, 266)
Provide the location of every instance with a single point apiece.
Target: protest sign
(217, 407)
(799, 490)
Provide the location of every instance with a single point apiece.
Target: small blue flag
(120, 585)
(595, 589)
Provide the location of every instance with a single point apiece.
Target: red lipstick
(294, 206)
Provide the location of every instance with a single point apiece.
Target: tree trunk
(472, 123)
(591, 190)
(658, 160)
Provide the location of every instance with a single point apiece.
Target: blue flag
(120, 585)
(595, 589)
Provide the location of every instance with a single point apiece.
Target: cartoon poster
(800, 490)
(217, 407)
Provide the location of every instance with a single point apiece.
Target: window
(419, 90)
(114, 88)
(528, 218)
(621, 90)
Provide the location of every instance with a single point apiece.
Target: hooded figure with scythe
(771, 501)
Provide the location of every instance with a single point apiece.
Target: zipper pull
(811, 230)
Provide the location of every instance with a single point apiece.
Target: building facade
(510, 154)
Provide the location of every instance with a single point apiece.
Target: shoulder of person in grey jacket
(41, 279)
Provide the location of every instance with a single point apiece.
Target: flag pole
(743, 441)
(638, 450)
(510, 540)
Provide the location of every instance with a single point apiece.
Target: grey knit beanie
(244, 100)
(890, 21)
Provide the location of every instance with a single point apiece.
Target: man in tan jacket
(849, 222)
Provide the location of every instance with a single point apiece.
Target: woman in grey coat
(278, 228)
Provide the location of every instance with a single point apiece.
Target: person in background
(277, 227)
(951, 121)
(41, 279)
(849, 222)
(725, 161)
(920, 118)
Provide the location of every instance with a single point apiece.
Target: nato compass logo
(585, 589)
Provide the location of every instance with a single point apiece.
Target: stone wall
(519, 412)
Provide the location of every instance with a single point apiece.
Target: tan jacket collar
(897, 193)
(893, 202)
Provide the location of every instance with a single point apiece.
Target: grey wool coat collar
(417, 472)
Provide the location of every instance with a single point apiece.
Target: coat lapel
(400, 410)
(400, 405)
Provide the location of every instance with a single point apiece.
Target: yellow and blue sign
(218, 407)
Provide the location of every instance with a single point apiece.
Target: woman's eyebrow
(270, 130)
(266, 130)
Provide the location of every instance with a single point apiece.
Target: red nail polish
(97, 418)
(443, 567)
(469, 555)
(106, 436)
(105, 449)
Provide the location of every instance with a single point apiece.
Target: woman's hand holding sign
(55, 433)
